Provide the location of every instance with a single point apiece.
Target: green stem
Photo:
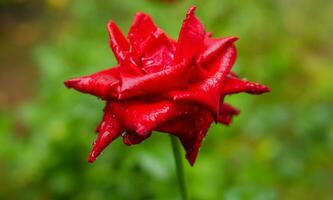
(179, 167)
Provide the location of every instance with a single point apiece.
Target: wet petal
(208, 91)
(191, 37)
(191, 131)
(118, 42)
(142, 27)
(226, 114)
(157, 82)
(143, 116)
(158, 52)
(132, 137)
(235, 85)
(214, 48)
(130, 66)
(108, 131)
(103, 84)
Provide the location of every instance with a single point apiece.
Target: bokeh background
(280, 147)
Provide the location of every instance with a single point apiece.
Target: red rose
(177, 87)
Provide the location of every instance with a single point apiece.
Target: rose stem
(179, 167)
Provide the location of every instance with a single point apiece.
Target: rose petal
(143, 116)
(226, 114)
(191, 130)
(191, 37)
(158, 52)
(235, 85)
(213, 48)
(118, 42)
(208, 91)
(108, 131)
(130, 66)
(158, 82)
(142, 27)
(158, 59)
(103, 84)
(131, 137)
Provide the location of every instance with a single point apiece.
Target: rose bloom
(175, 87)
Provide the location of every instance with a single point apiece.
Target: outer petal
(191, 130)
(213, 48)
(208, 91)
(118, 42)
(108, 131)
(103, 84)
(158, 82)
(226, 114)
(235, 85)
(143, 116)
(191, 37)
(132, 137)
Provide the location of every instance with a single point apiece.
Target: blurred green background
(280, 147)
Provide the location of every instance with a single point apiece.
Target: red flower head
(176, 87)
